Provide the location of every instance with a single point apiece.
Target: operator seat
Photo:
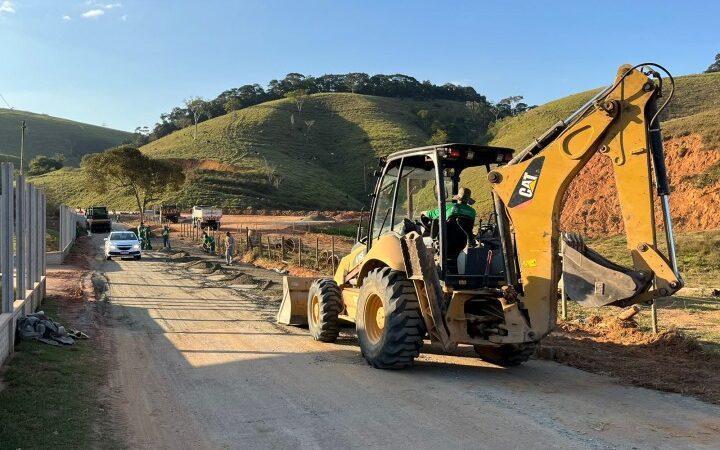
(459, 236)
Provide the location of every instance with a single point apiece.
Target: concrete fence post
(43, 233)
(20, 237)
(6, 233)
(26, 236)
(31, 238)
(38, 235)
(61, 227)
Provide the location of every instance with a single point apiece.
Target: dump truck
(425, 271)
(206, 217)
(97, 219)
(169, 213)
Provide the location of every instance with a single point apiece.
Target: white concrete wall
(23, 259)
(68, 220)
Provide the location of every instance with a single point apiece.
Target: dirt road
(199, 364)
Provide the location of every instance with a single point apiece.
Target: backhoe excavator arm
(530, 189)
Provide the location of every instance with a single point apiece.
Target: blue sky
(123, 63)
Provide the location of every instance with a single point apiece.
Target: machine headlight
(113, 246)
(136, 247)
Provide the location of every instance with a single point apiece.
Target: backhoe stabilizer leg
(420, 269)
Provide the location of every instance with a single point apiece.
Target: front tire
(389, 322)
(506, 355)
(109, 258)
(324, 306)
(137, 257)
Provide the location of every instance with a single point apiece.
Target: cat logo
(525, 189)
(528, 185)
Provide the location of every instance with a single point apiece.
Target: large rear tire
(389, 322)
(324, 306)
(506, 355)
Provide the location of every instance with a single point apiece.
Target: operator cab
(417, 192)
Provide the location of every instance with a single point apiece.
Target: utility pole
(22, 145)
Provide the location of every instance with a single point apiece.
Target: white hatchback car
(124, 244)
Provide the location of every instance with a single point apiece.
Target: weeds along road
(199, 364)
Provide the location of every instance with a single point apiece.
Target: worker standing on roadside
(141, 234)
(144, 235)
(208, 243)
(229, 248)
(166, 237)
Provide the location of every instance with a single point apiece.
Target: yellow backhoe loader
(494, 284)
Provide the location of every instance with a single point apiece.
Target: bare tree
(308, 124)
(298, 96)
(273, 178)
(197, 106)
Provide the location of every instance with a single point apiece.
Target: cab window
(417, 192)
(384, 201)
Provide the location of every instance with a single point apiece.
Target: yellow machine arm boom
(530, 190)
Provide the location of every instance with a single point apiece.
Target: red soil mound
(591, 206)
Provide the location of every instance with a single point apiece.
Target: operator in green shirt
(460, 206)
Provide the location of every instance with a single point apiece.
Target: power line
(6, 102)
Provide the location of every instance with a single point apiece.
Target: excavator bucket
(591, 280)
(293, 309)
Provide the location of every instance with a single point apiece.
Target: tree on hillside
(509, 106)
(44, 164)
(308, 124)
(355, 81)
(714, 67)
(141, 136)
(232, 104)
(127, 170)
(298, 96)
(500, 110)
(511, 102)
(198, 107)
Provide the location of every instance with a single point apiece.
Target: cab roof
(467, 154)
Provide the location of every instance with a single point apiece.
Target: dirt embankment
(669, 361)
(591, 205)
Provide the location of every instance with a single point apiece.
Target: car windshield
(127, 236)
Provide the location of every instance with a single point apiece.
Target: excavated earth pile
(591, 205)
(668, 361)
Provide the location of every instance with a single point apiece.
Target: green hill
(270, 156)
(694, 95)
(317, 162)
(46, 135)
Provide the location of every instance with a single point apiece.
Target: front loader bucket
(293, 309)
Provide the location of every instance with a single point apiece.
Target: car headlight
(113, 246)
(136, 247)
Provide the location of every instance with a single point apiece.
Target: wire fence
(306, 252)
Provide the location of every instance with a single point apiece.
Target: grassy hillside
(46, 135)
(271, 156)
(69, 186)
(694, 94)
(320, 166)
